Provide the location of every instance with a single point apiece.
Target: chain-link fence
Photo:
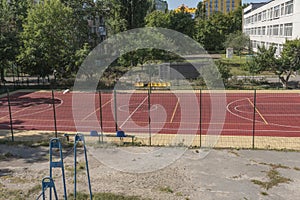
(249, 119)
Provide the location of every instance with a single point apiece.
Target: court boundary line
(37, 111)
(6, 116)
(174, 111)
(133, 112)
(84, 119)
(261, 116)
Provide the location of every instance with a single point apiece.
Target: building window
(222, 7)
(281, 30)
(228, 5)
(271, 14)
(282, 9)
(288, 29)
(289, 7)
(276, 30)
(276, 11)
(259, 17)
(264, 13)
(248, 20)
(248, 31)
(263, 30)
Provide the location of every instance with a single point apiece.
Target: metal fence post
(100, 114)
(115, 108)
(54, 113)
(254, 114)
(10, 116)
(200, 119)
(149, 115)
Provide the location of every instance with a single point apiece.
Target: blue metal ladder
(80, 138)
(48, 182)
(55, 144)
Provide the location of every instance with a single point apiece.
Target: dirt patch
(223, 174)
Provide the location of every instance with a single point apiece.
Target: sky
(176, 3)
(193, 3)
(254, 1)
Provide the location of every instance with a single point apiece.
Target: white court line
(174, 111)
(133, 112)
(84, 119)
(13, 113)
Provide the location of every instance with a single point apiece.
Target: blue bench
(119, 134)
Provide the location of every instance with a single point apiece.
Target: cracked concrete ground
(222, 174)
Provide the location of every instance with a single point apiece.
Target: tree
(182, 22)
(12, 14)
(82, 11)
(179, 21)
(115, 21)
(283, 67)
(216, 75)
(224, 71)
(132, 12)
(236, 20)
(158, 19)
(238, 41)
(212, 32)
(201, 11)
(48, 39)
(264, 60)
(290, 60)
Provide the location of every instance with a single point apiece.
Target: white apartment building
(272, 23)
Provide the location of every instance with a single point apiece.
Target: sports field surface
(276, 113)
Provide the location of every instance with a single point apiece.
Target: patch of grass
(104, 196)
(275, 166)
(236, 177)
(37, 143)
(14, 179)
(166, 189)
(274, 179)
(6, 156)
(296, 168)
(179, 194)
(234, 153)
(5, 193)
(79, 167)
(35, 189)
(264, 193)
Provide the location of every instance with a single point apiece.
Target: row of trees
(210, 32)
(284, 66)
(53, 35)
